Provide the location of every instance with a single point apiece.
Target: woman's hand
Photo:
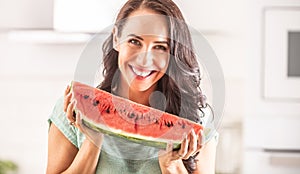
(75, 119)
(171, 161)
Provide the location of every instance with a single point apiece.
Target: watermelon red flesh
(121, 117)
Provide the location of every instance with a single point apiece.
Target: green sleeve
(59, 119)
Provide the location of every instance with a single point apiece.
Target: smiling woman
(148, 52)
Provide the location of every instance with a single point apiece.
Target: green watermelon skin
(120, 117)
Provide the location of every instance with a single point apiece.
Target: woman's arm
(206, 158)
(64, 157)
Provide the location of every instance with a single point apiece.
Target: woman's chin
(140, 88)
(137, 86)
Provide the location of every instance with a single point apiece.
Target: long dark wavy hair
(181, 83)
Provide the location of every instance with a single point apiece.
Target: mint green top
(118, 156)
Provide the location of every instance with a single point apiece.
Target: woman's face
(143, 48)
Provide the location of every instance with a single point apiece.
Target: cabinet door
(282, 53)
(26, 14)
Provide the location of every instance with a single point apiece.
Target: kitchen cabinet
(272, 162)
(272, 121)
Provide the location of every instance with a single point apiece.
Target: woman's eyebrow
(136, 36)
(140, 38)
(162, 42)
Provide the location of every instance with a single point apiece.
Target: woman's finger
(200, 141)
(192, 146)
(166, 154)
(78, 122)
(69, 113)
(94, 136)
(183, 148)
(67, 100)
(67, 90)
(169, 147)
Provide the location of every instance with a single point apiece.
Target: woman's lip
(141, 72)
(141, 69)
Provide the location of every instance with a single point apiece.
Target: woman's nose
(145, 59)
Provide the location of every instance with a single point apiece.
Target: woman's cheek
(124, 56)
(163, 62)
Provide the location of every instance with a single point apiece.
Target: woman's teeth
(141, 73)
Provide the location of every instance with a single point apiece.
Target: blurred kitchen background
(257, 43)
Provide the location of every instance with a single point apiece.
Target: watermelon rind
(158, 143)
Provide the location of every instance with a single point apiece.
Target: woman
(149, 50)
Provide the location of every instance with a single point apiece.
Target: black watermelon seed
(168, 124)
(183, 126)
(156, 121)
(107, 111)
(96, 102)
(85, 96)
(131, 115)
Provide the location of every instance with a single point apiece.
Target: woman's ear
(115, 38)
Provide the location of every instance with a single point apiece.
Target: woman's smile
(141, 73)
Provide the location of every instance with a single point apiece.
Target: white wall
(32, 77)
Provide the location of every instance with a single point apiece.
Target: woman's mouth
(141, 72)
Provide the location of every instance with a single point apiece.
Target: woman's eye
(135, 42)
(160, 47)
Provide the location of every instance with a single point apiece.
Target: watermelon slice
(120, 117)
